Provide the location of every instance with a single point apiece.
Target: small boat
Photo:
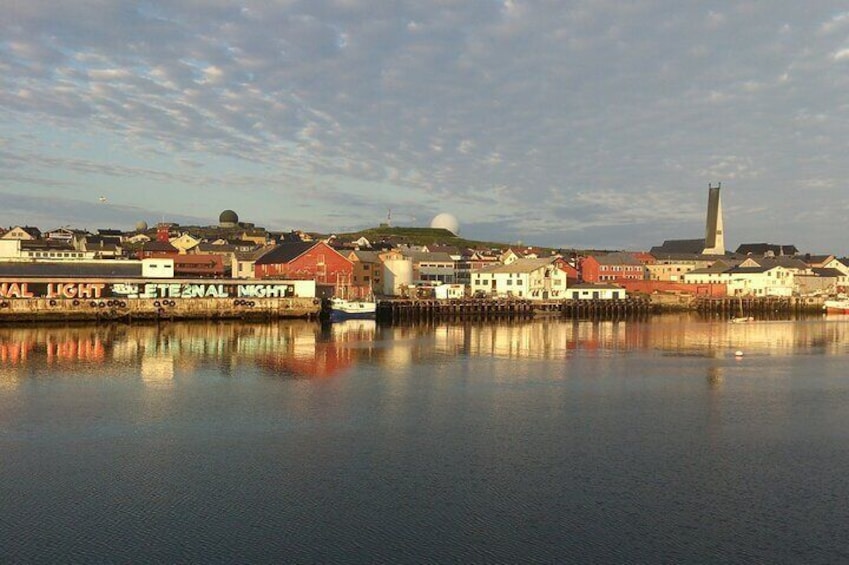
(342, 309)
(840, 306)
(742, 320)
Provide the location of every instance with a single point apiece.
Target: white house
(598, 291)
(536, 279)
(761, 276)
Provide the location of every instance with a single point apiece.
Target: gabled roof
(786, 262)
(287, 252)
(816, 259)
(617, 259)
(161, 246)
(523, 265)
(823, 272)
(676, 246)
(366, 256)
(253, 254)
(764, 248)
(215, 248)
(718, 267)
(419, 256)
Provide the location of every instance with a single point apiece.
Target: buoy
(738, 353)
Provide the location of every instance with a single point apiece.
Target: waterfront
(611, 441)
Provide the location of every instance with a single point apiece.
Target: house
(24, 233)
(104, 247)
(595, 291)
(62, 234)
(754, 276)
(138, 238)
(40, 250)
(367, 270)
(613, 267)
(432, 267)
(673, 267)
(471, 261)
(822, 281)
(310, 260)
(538, 279)
(243, 263)
(184, 243)
(157, 248)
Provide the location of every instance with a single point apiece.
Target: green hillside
(420, 236)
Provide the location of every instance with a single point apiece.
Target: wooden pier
(408, 310)
(757, 306)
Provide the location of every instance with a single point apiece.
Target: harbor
(191, 301)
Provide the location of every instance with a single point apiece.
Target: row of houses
(358, 268)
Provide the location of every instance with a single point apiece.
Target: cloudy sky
(591, 123)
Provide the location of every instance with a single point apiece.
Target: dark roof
(286, 252)
(253, 254)
(158, 246)
(44, 244)
(676, 246)
(822, 272)
(808, 258)
(367, 256)
(764, 248)
(104, 269)
(216, 248)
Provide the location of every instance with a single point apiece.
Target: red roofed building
(309, 260)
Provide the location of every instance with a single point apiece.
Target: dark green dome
(228, 217)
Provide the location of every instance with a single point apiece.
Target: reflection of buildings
(157, 369)
(306, 349)
(296, 346)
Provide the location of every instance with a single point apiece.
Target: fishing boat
(839, 306)
(344, 309)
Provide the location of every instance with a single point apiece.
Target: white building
(536, 279)
(598, 291)
(753, 277)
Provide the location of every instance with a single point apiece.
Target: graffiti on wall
(85, 290)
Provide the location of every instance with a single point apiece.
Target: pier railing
(414, 310)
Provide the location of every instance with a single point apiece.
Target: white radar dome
(446, 222)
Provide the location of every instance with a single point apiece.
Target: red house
(309, 260)
(612, 268)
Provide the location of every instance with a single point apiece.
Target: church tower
(714, 239)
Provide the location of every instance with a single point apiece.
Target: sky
(588, 124)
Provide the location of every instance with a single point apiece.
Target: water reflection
(306, 350)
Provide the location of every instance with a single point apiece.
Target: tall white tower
(714, 240)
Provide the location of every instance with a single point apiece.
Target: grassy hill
(419, 236)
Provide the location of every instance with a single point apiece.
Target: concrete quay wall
(139, 309)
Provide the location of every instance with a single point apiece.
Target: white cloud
(477, 102)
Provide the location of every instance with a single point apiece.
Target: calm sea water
(548, 441)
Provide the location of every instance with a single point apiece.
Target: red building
(152, 249)
(308, 260)
(612, 268)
